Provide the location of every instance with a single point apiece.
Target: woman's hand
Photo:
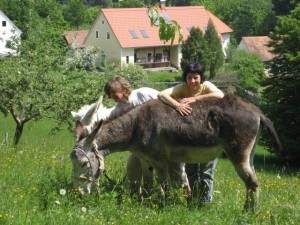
(184, 109)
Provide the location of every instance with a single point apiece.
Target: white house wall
(175, 56)
(7, 31)
(127, 52)
(108, 48)
(226, 42)
(242, 46)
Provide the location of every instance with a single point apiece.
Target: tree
(75, 12)
(167, 31)
(282, 93)
(250, 70)
(284, 7)
(82, 58)
(215, 48)
(34, 80)
(195, 49)
(246, 18)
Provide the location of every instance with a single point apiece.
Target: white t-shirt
(88, 117)
(137, 97)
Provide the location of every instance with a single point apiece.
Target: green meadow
(36, 188)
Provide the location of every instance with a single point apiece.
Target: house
(76, 37)
(8, 31)
(257, 45)
(125, 35)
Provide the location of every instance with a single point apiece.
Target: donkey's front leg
(179, 178)
(134, 175)
(161, 170)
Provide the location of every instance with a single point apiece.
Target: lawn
(36, 188)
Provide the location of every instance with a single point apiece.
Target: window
(127, 59)
(102, 21)
(150, 57)
(108, 35)
(144, 34)
(167, 18)
(158, 57)
(97, 34)
(133, 34)
(3, 23)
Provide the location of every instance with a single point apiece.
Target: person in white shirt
(119, 89)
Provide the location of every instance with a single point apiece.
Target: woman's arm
(215, 94)
(182, 107)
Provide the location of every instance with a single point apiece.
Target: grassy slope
(32, 176)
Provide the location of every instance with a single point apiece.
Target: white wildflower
(57, 202)
(83, 209)
(62, 192)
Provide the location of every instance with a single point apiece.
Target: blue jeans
(202, 174)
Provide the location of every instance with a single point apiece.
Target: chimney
(162, 4)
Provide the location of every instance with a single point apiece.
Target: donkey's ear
(98, 103)
(78, 128)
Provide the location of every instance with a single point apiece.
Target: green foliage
(281, 95)
(246, 18)
(250, 70)
(215, 54)
(167, 29)
(195, 49)
(134, 73)
(284, 7)
(75, 12)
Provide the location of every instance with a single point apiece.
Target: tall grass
(36, 188)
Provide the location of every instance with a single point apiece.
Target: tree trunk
(18, 133)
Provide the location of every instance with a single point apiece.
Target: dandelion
(83, 209)
(278, 176)
(62, 192)
(57, 202)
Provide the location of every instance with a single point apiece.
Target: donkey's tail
(270, 128)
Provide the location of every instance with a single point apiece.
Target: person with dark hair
(194, 88)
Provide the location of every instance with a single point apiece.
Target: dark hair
(118, 84)
(194, 68)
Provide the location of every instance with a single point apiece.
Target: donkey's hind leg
(245, 169)
(247, 174)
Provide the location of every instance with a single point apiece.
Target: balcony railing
(147, 65)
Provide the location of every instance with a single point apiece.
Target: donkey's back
(228, 124)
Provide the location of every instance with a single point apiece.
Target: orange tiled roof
(258, 45)
(122, 20)
(76, 36)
